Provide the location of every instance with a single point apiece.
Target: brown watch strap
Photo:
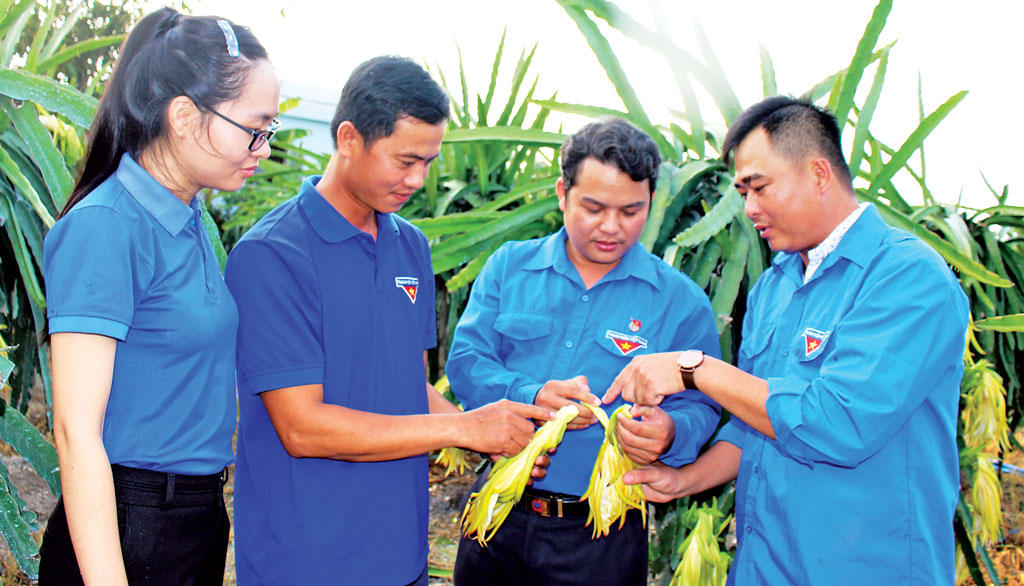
(688, 382)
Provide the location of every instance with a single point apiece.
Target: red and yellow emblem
(624, 342)
(409, 285)
(813, 341)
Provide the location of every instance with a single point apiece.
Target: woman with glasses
(142, 326)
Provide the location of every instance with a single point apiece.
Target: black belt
(550, 504)
(149, 487)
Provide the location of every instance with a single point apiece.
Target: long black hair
(166, 55)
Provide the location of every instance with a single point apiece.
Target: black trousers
(552, 551)
(173, 529)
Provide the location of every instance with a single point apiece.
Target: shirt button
(568, 344)
(747, 529)
(757, 469)
(585, 298)
(785, 352)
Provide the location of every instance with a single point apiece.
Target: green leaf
(469, 271)
(6, 367)
(616, 74)
(961, 521)
(215, 238)
(483, 106)
(451, 253)
(51, 95)
(21, 251)
(582, 110)
(767, 73)
(526, 136)
(77, 49)
(860, 134)
(727, 98)
(288, 105)
(961, 262)
(861, 59)
(671, 182)
(44, 154)
(16, 530)
(724, 297)
(1003, 323)
(455, 223)
(913, 142)
(26, 439)
(15, 176)
(712, 222)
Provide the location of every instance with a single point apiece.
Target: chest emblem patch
(409, 285)
(625, 343)
(634, 325)
(813, 341)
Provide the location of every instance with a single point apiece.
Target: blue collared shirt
(321, 302)
(132, 262)
(530, 319)
(863, 364)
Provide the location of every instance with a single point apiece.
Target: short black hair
(797, 129)
(383, 90)
(612, 141)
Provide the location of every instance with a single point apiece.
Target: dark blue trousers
(552, 551)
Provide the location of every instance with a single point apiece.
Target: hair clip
(229, 37)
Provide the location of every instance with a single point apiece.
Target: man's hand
(644, 440)
(647, 379)
(556, 394)
(503, 427)
(661, 483)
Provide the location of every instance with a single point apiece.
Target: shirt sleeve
(695, 414)
(475, 371)
(93, 274)
(429, 295)
(903, 335)
(280, 341)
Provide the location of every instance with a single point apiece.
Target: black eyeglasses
(259, 137)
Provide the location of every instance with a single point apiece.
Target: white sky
(977, 46)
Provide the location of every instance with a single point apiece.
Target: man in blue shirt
(336, 311)
(552, 318)
(843, 436)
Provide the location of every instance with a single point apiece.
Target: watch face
(690, 359)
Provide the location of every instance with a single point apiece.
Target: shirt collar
(169, 211)
(327, 222)
(857, 245)
(817, 254)
(552, 254)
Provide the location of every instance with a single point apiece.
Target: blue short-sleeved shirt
(321, 302)
(131, 261)
(530, 319)
(863, 366)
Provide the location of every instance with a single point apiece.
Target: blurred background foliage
(494, 182)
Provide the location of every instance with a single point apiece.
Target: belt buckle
(544, 508)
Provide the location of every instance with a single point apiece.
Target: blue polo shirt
(321, 302)
(131, 261)
(863, 366)
(530, 319)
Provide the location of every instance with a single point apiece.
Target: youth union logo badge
(813, 341)
(624, 342)
(634, 325)
(409, 285)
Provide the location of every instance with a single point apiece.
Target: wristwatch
(688, 361)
